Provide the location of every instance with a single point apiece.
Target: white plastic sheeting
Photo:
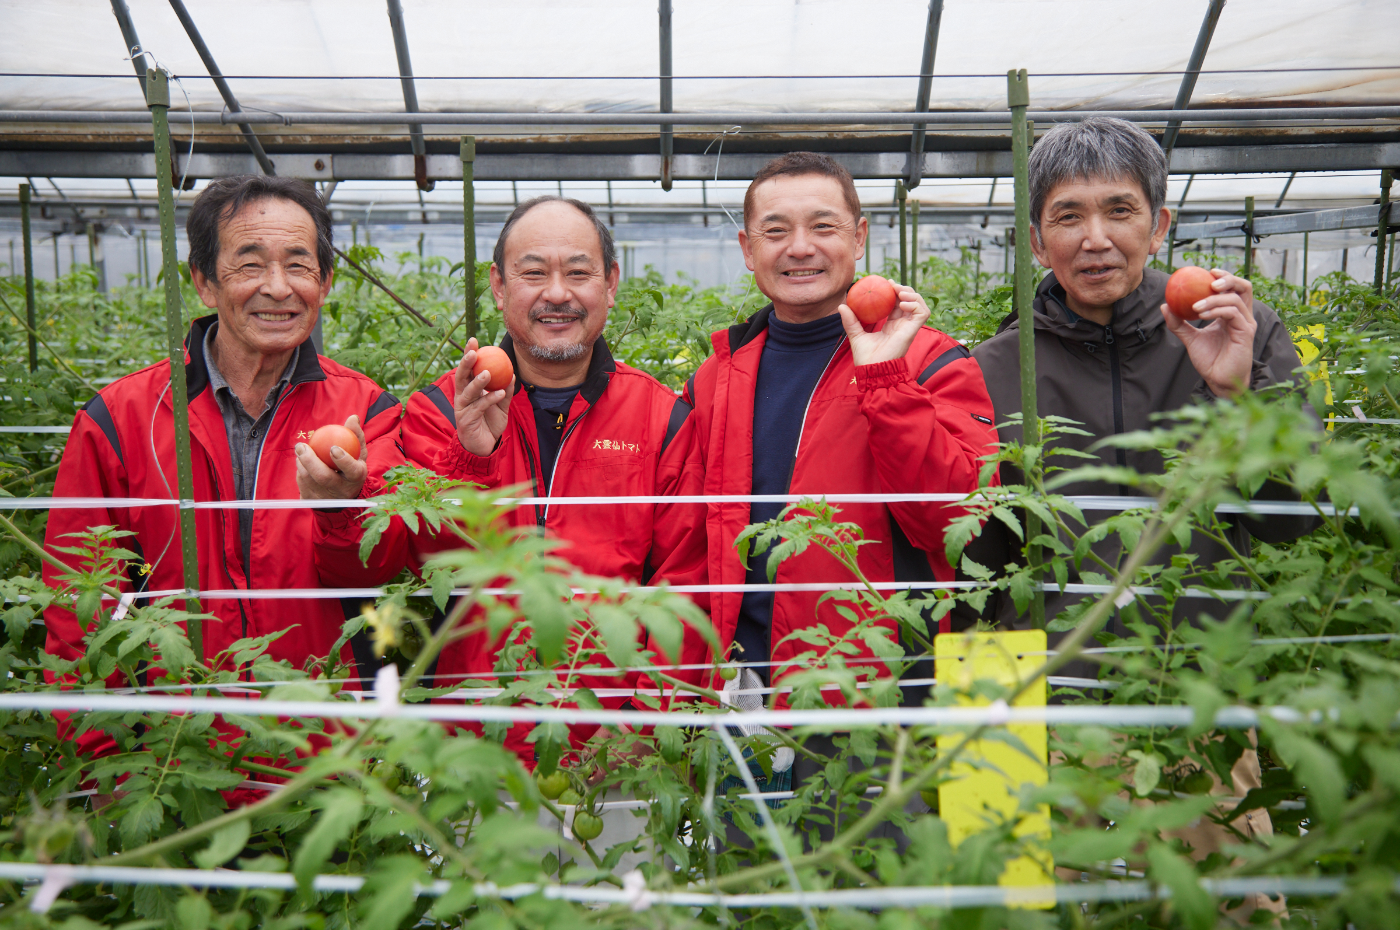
(768, 55)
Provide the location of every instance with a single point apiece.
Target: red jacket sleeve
(927, 438)
(339, 532)
(90, 467)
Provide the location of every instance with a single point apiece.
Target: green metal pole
(1018, 97)
(158, 100)
(914, 249)
(903, 197)
(1305, 268)
(1248, 236)
(29, 315)
(1382, 227)
(1171, 242)
(469, 229)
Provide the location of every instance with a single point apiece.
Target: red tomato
(871, 299)
(494, 360)
(333, 435)
(1186, 286)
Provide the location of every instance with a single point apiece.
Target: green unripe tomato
(587, 826)
(570, 796)
(411, 643)
(930, 796)
(553, 785)
(1198, 782)
(728, 672)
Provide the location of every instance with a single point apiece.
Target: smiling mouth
(1097, 272)
(273, 317)
(557, 320)
(803, 273)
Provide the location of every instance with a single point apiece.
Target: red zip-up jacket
(123, 445)
(920, 424)
(621, 422)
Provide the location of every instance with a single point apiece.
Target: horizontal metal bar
(808, 118)
(1364, 217)
(646, 166)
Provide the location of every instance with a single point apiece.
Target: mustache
(564, 309)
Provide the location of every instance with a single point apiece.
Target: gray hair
(1098, 148)
(605, 238)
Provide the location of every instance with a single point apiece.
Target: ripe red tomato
(1186, 286)
(494, 360)
(871, 299)
(333, 435)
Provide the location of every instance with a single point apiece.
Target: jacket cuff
(458, 463)
(888, 374)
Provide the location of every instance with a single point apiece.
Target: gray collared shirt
(245, 434)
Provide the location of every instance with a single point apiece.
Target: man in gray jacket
(1108, 353)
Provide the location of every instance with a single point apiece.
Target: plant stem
(369, 276)
(71, 370)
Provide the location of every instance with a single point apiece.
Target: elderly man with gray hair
(1109, 354)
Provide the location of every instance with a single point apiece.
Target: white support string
(879, 898)
(1123, 716)
(1096, 502)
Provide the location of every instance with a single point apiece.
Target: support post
(158, 99)
(667, 140)
(903, 197)
(29, 314)
(1248, 236)
(469, 233)
(1018, 97)
(410, 96)
(914, 249)
(132, 40)
(1382, 228)
(915, 172)
(1305, 270)
(1193, 71)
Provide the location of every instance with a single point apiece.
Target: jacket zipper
(1116, 375)
(563, 439)
(262, 441)
(534, 476)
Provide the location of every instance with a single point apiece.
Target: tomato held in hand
(871, 299)
(1186, 286)
(332, 435)
(494, 360)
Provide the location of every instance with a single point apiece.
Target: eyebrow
(782, 218)
(257, 248)
(531, 258)
(1075, 203)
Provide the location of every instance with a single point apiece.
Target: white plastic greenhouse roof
(751, 55)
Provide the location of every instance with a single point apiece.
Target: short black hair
(797, 163)
(605, 239)
(223, 198)
(1098, 148)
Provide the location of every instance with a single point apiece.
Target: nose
(1096, 235)
(556, 290)
(276, 284)
(800, 243)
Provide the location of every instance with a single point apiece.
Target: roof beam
(133, 42)
(225, 91)
(410, 95)
(921, 100)
(1317, 221)
(663, 11)
(1193, 71)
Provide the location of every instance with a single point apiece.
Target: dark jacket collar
(741, 334)
(308, 367)
(601, 368)
(1136, 315)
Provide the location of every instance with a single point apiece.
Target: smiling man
(802, 399)
(1108, 353)
(261, 258)
(575, 422)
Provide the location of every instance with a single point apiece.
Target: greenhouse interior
(1064, 592)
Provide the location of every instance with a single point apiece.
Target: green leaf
(142, 819)
(340, 813)
(225, 844)
(1189, 899)
(1148, 771)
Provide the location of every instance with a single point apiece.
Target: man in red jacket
(573, 423)
(802, 399)
(261, 257)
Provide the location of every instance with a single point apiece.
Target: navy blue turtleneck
(794, 357)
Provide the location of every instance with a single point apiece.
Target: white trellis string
(946, 896)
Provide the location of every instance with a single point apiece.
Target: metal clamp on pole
(1018, 97)
(469, 234)
(158, 99)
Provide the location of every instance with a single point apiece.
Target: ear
(1038, 249)
(326, 283)
(208, 291)
(614, 279)
(862, 236)
(498, 285)
(1164, 226)
(746, 247)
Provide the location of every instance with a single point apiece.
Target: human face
(802, 243)
(268, 290)
(553, 290)
(1096, 236)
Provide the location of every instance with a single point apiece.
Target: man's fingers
(854, 330)
(352, 423)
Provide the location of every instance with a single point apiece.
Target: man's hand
(316, 482)
(895, 337)
(1222, 352)
(481, 414)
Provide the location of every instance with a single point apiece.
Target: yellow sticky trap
(1308, 353)
(986, 788)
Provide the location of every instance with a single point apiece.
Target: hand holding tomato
(480, 412)
(895, 337)
(1222, 351)
(318, 481)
